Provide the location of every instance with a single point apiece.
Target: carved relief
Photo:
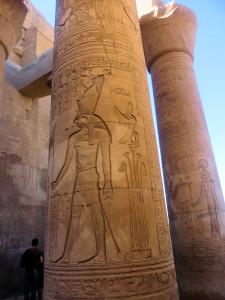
(208, 195)
(90, 139)
(187, 213)
(106, 202)
(79, 13)
(95, 11)
(136, 285)
(90, 85)
(134, 169)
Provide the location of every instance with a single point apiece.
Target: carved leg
(215, 231)
(76, 212)
(99, 227)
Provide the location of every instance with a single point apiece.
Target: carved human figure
(86, 142)
(184, 208)
(127, 118)
(208, 194)
(83, 12)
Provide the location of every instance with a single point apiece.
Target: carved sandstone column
(107, 232)
(195, 200)
(12, 15)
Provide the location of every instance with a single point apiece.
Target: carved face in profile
(203, 164)
(81, 121)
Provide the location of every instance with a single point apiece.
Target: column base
(126, 281)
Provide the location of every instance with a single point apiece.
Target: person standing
(31, 260)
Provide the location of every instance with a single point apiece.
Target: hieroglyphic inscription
(157, 193)
(120, 91)
(53, 224)
(175, 80)
(64, 92)
(112, 287)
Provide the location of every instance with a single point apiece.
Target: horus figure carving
(91, 137)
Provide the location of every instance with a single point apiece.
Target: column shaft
(106, 224)
(194, 196)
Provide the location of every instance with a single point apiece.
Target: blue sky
(209, 66)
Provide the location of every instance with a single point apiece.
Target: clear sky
(209, 66)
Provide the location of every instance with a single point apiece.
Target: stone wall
(24, 136)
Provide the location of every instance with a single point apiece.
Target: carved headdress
(92, 85)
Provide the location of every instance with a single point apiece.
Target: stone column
(194, 196)
(12, 15)
(107, 234)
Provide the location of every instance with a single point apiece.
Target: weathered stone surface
(12, 15)
(23, 181)
(24, 144)
(107, 230)
(37, 38)
(195, 201)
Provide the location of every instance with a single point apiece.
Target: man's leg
(73, 230)
(34, 286)
(27, 289)
(40, 291)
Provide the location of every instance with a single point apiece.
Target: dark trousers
(31, 285)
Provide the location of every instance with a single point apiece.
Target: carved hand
(53, 185)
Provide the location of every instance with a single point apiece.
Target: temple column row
(194, 196)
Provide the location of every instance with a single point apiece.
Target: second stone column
(194, 196)
(107, 232)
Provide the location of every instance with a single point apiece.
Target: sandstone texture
(24, 141)
(12, 15)
(194, 196)
(107, 234)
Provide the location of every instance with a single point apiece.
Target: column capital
(12, 15)
(169, 28)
